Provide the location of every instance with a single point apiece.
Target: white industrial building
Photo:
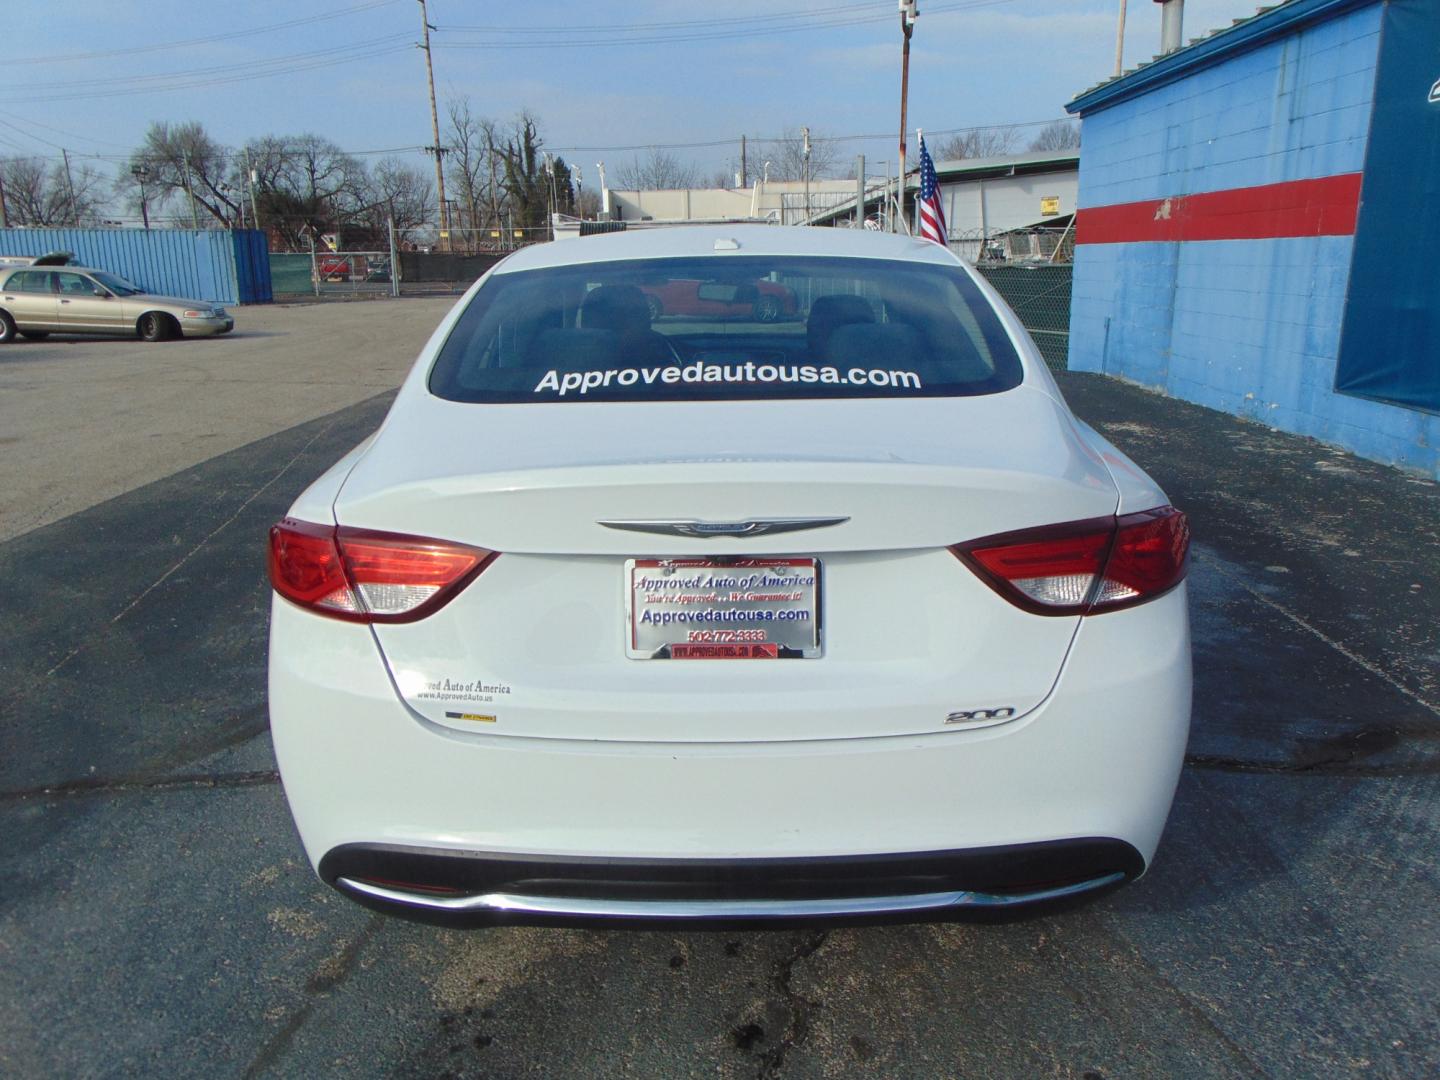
(1021, 205)
(1015, 207)
(781, 202)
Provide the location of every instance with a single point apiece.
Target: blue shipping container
(226, 266)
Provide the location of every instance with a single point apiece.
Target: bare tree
(587, 203)
(1059, 135)
(181, 160)
(660, 171)
(397, 191)
(472, 169)
(978, 143)
(37, 195)
(787, 156)
(306, 185)
(531, 179)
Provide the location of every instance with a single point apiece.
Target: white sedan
(836, 614)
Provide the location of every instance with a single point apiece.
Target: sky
(605, 80)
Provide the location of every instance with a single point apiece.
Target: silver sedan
(36, 301)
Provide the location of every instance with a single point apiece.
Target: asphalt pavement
(157, 916)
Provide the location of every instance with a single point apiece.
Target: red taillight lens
(368, 576)
(1085, 567)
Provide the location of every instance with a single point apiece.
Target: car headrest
(574, 350)
(874, 345)
(621, 308)
(829, 312)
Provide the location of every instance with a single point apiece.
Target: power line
(245, 76)
(228, 35)
(810, 18)
(57, 131)
(614, 28)
(731, 140)
(273, 65)
(795, 24)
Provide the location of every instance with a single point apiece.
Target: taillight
(1085, 567)
(366, 576)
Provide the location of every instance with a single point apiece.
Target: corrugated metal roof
(951, 169)
(1268, 23)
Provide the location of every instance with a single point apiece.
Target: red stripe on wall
(1324, 207)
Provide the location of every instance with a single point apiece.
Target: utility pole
(314, 265)
(908, 13)
(1120, 42)
(860, 192)
(435, 130)
(4, 221)
(251, 177)
(190, 191)
(141, 174)
(394, 255)
(805, 133)
(70, 187)
(744, 165)
(884, 199)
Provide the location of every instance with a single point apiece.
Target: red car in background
(763, 301)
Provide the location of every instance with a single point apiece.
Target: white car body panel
(537, 478)
(1099, 758)
(512, 721)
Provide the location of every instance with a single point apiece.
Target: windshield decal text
(582, 382)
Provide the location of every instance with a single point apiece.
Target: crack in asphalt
(1190, 1006)
(1346, 768)
(173, 569)
(182, 782)
(328, 976)
(1350, 654)
(799, 1006)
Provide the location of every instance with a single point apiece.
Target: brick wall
(1249, 326)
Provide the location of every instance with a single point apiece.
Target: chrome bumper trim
(583, 907)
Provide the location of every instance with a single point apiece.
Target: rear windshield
(726, 327)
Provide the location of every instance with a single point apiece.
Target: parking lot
(157, 916)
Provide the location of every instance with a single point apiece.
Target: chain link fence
(428, 263)
(1040, 295)
(1029, 268)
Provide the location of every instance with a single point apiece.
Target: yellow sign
(1049, 205)
(444, 234)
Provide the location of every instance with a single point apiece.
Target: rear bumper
(480, 888)
(379, 793)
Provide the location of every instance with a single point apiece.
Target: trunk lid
(537, 645)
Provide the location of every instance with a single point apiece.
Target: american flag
(932, 216)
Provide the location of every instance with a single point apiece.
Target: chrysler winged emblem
(737, 529)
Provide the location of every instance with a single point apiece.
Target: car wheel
(7, 328)
(154, 327)
(656, 307)
(35, 335)
(767, 309)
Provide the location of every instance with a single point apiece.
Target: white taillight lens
(367, 576)
(1085, 567)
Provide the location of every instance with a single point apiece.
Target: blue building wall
(197, 264)
(1251, 327)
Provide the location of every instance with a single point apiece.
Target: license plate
(722, 609)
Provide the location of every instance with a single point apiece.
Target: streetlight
(909, 11)
(142, 173)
